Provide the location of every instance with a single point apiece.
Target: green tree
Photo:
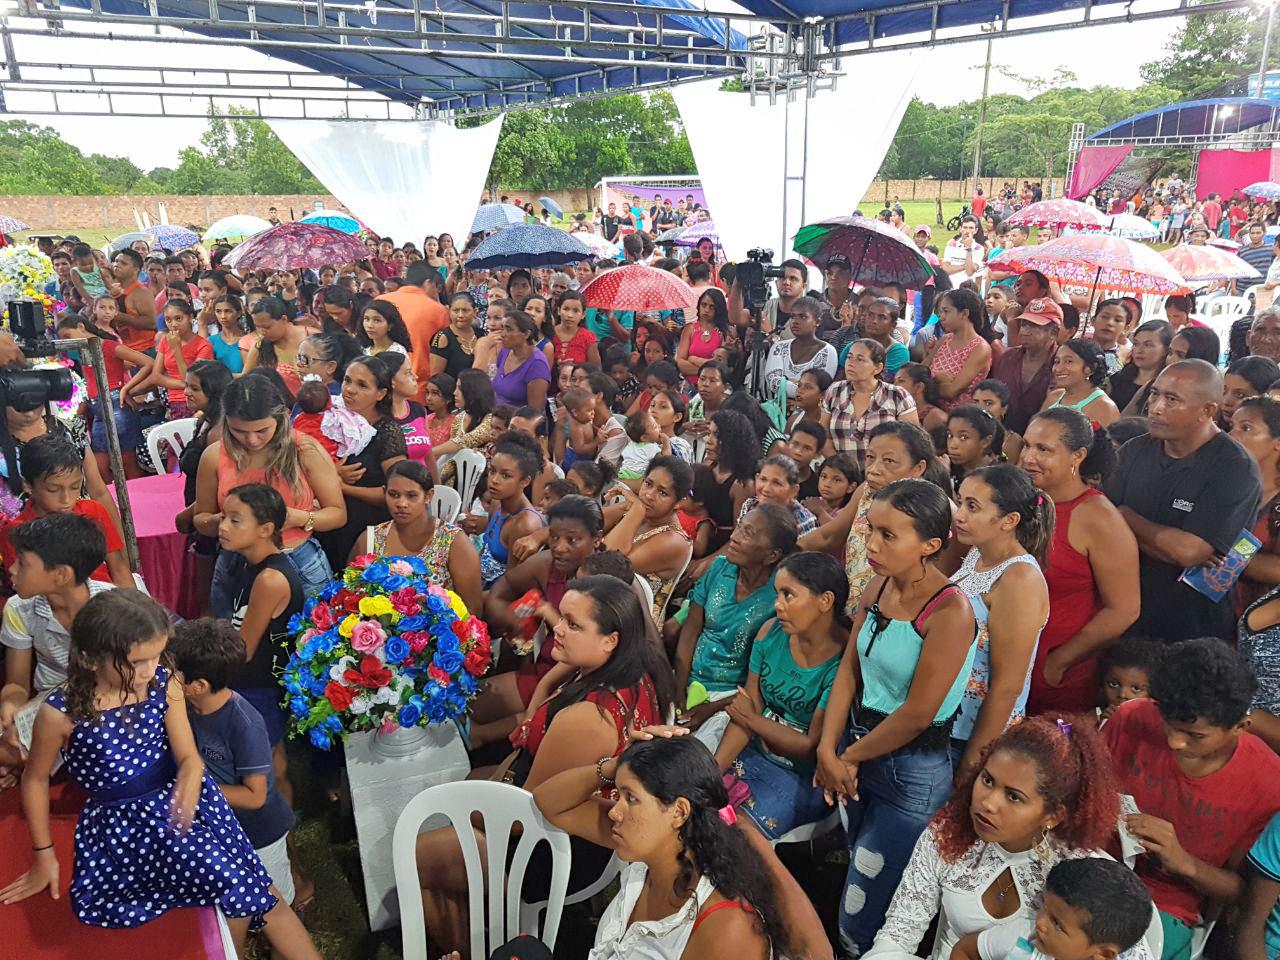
(1208, 52)
(119, 174)
(527, 147)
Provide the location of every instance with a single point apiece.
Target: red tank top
(634, 707)
(1073, 602)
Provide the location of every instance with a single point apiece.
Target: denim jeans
(781, 799)
(898, 795)
(307, 558)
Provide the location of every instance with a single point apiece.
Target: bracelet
(46, 847)
(600, 771)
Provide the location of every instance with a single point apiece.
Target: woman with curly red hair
(1044, 793)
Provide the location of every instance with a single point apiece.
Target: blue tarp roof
(1220, 117)
(458, 80)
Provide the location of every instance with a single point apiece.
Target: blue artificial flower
(447, 641)
(375, 572)
(295, 623)
(396, 650)
(415, 622)
(436, 605)
(300, 706)
(330, 590)
(417, 565)
(309, 605)
(317, 684)
(293, 680)
(468, 683)
(450, 662)
(333, 723)
(456, 700)
(394, 582)
(308, 650)
(320, 738)
(410, 715)
(326, 641)
(437, 707)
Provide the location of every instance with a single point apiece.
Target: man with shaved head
(1186, 490)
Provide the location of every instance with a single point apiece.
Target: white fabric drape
(405, 179)
(739, 149)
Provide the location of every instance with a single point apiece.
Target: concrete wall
(881, 190)
(117, 213)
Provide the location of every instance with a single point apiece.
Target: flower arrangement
(68, 411)
(381, 648)
(24, 271)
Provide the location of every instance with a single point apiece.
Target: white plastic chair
(470, 465)
(1251, 293)
(1232, 308)
(662, 614)
(176, 433)
(557, 471)
(499, 805)
(647, 590)
(1153, 307)
(530, 912)
(446, 503)
(699, 445)
(807, 831)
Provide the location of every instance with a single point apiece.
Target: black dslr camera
(753, 276)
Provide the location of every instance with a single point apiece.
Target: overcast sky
(949, 74)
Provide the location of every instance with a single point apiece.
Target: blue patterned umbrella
(1265, 190)
(551, 207)
(496, 216)
(528, 246)
(334, 220)
(172, 237)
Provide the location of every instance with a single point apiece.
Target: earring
(1041, 847)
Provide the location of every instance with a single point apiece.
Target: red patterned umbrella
(296, 246)
(1200, 264)
(637, 287)
(1096, 260)
(877, 251)
(1059, 213)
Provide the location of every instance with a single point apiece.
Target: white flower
(387, 694)
(361, 704)
(341, 667)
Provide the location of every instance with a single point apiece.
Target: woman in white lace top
(1045, 793)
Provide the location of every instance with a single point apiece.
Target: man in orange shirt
(418, 301)
(136, 321)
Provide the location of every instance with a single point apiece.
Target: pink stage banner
(1093, 166)
(1225, 171)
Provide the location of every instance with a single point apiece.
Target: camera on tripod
(753, 278)
(25, 389)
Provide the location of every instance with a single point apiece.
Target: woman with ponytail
(693, 885)
(1042, 794)
(1080, 376)
(1007, 524)
(1092, 567)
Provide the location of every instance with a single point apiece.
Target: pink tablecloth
(168, 568)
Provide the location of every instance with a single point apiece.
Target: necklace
(1000, 894)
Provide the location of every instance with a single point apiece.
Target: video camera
(25, 389)
(753, 276)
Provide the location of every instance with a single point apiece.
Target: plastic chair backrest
(499, 805)
(470, 465)
(662, 614)
(557, 471)
(647, 590)
(699, 444)
(530, 911)
(1233, 307)
(176, 433)
(446, 503)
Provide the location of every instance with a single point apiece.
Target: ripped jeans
(898, 795)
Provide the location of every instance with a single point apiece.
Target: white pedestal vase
(385, 772)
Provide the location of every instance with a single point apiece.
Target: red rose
(372, 674)
(364, 560)
(476, 662)
(338, 696)
(438, 675)
(322, 617)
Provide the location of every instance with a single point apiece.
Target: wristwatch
(311, 521)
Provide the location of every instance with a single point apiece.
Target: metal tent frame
(408, 59)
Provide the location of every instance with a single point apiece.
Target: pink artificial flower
(388, 723)
(367, 636)
(364, 560)
(405, 601)
(322, 617)
(436, 590)
(307, 635)
(417, 640)
(401, 567)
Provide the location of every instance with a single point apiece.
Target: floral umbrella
(529, 246)
(237, 227)
(172, 237)
(1202, 264)
(877, 252)
(12, 224)
(336, 219)
(637, 287)
(1263, 190)
(599, 245)
(1095, 260)
(691, 236)
(1059, 213)
(296, 246)
(495, 216)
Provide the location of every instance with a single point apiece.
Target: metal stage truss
(410, 59)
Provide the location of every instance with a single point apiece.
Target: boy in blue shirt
(232, 739)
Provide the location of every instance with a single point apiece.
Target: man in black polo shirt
(1186, 490)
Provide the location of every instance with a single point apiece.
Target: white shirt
(663, 939)
(956, 253)
(782, 372)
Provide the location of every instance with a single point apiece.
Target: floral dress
(435, 554)
(130, 866)
(856, 566)
(662, 589)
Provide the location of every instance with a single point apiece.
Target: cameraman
(776, 315)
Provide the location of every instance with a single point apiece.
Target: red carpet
(41, 927)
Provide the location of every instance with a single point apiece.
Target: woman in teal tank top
(1079, 373)
(775, 722)
(896, 772)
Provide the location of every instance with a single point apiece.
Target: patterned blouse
(949, 361)
(435, 554)
(851, 433)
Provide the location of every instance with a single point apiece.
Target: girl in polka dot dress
(156, 832)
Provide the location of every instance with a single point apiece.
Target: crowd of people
(977, 583)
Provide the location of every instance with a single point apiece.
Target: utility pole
(982, 106)
(1266, 48)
